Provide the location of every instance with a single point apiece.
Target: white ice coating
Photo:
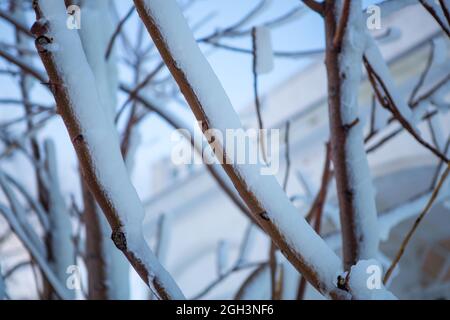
(358, 171)
(221, 115)
(101, 139)
(263, 50)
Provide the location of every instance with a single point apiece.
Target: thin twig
(416, 224)
(445, 10)
(396, 113)
(117, 32)
(343, 21)
(276, 53)
(423, 75)
(435, 15)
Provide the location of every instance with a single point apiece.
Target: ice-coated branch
(389, 97)
(60, 290)
(354, 184)
(263, 195)
(96, 142)
(438, 13)
(315, 6)
(60, 232)
(109, 275)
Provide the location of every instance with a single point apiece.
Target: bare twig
(10, 18)
(436, 17)
(416, 224)
(340, 30)
(445, 10)
(117, 31)
(315, 6)
(423, 74)
(396, 113)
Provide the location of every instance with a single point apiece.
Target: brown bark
(339, 132)
(252, 201)
(85, 154)
(94, 258)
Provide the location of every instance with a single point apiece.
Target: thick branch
(354, 185)
(96, 142)
(210, 104)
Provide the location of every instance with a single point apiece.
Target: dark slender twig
(117, 31)
(246, 18)
(315, 6)
(416, 224)
(445, 10)
(10, 18)
(16, 267)
(439, 166)
(256, 96)
(396, 113)
(340, 31)
(423, 74)
(277, 54)
(134, 92)
(435, 15)
(430, 92)
(224, 276)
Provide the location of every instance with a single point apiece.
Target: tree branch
(262, 193)
(96, 144)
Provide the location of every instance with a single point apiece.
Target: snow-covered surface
(358, 173)
(105, 73)
(61, 234)
(101, 140)
(95, 46)
(263, 50)
(364, 281)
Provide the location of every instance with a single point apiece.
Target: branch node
(264, 216)
(350, 125)
(119, 239)
(78, 139)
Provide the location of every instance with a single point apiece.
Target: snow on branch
(358, 214)
(210, 104)
(96, 142)
(388, 96)
(61, 244)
